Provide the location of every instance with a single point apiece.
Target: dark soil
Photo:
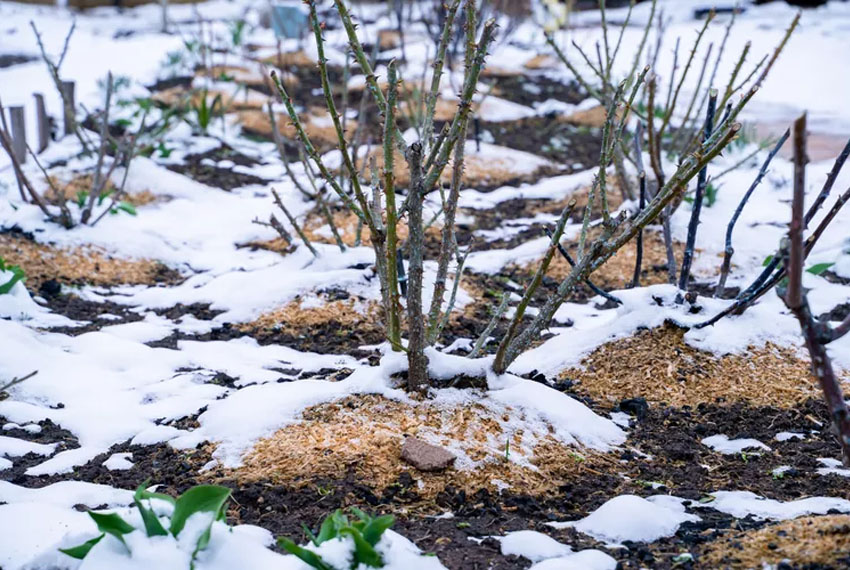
(671, 438)
(8, 60)
(530, 88)
(216, 176)
(90, 312)
(572, 147)
(171, 82)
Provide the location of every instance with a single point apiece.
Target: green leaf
(112, 523)
(376, 527)
(767, 261)
(330, 527)
(163, 497)
(126, 207)
(360, 514)
(309, 534)
(152, 525)
(80, 552)
(17, 275)
(200, 499)
(307, 556)
(364, 553)
(819, 268)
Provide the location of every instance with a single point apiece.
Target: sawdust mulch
(316, 228)
(318, 126)
(660, 366)
(290, 59)
(82, 183)
(79, 265)
(812, 540)
(618, 271)
(478, 171)
(295, 318)
(364, 434)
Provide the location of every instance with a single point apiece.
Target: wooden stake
(71, 104)
(19, 133)
(43, 122)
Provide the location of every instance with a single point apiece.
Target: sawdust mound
(364, 434)
(290, 59)
(318, 126)
(658, 365)
(478, 171)
(814, 540)
(316, 228)
(83, 183)
(79, 265)
(296, 318)
(618, 271)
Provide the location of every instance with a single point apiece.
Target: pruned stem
(702, 177)
(729, 251)
(294, 223)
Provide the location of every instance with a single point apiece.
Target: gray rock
(424, 456)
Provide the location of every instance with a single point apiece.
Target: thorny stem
(671, 106)
(99, 180)
(434, 92)
(597, 290)
(329, 102)
(464, 107)
(295, 225)
(603, 248)
(795, 298)
(485, 334)
(15, 381)
(769, 277)
(641, 204)
(417, 374)
(392, 216)
(313, 153)
(687, 257)
(281, 150)
(365, 66)
(729, 251)
(519, 312)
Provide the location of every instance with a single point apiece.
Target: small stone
(424, 456)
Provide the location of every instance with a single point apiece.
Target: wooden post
(42, 121)
(19, 133)
(70, 106)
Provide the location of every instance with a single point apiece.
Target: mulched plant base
(671, 435)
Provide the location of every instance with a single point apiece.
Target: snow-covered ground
(108, 386)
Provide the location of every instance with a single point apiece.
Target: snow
(832, 467)
(533, 545)
(740, 504)
(35, 523)
(584, 560)
(722, 444)
(119, 461)
(13, 447)
(109, 387)
(245, 416)
(789, 435)
(548, 553)
(632, 518)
